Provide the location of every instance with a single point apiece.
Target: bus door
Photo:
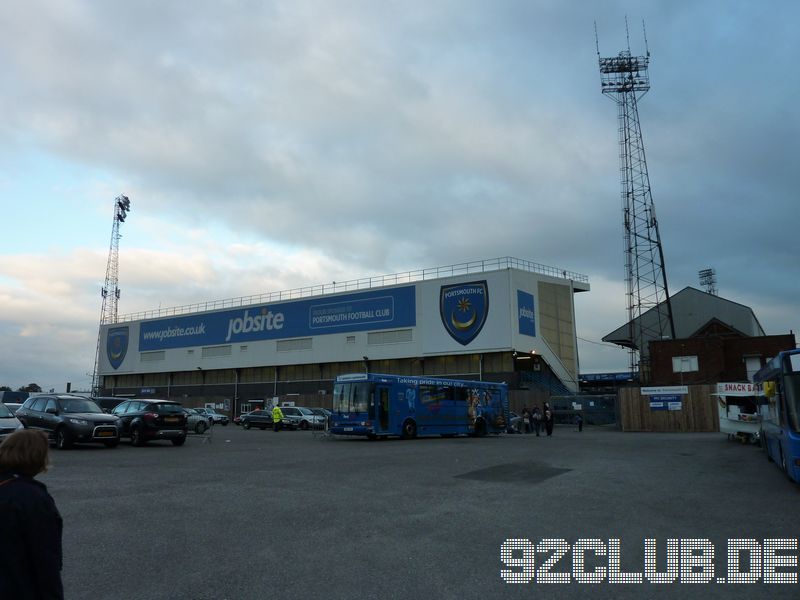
(382, 407)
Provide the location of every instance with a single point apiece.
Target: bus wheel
(372, 436)
(409, 430)
(480, 428)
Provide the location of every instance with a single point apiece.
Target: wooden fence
(699, 411)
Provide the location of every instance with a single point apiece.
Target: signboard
(352, 312)
(665, 389)
(738, 389)
(526, 314)
(666, 402)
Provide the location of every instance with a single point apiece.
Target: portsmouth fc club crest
(464, 307)
(117, 345)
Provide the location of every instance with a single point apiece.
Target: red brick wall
(719, 358)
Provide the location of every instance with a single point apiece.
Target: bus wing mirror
(769, 389)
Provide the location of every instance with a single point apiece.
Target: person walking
(526, 420)
(31, 526)
(579, 421)
(277, 418)
(548, 419)
(536, 417)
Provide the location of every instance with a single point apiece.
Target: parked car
(204, 412)
(18, 397)
(108, 403)
(213, 416)
(8, 422)
(69, 419)
(301, 417)
(217, 417)
(196, 421)
(12, 406)
(257, 418)
(515, 424)
(144, 420)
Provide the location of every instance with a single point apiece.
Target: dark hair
(25, 451)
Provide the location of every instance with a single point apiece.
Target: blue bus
(780, 432)
(410, 406)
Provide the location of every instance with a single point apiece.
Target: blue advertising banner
(526, 313)
(353, 312)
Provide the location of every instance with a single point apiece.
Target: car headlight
(78, 421)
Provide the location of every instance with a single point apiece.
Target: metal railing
(335, 287)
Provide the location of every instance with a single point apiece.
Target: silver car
(8, 422)
(302, 417)
(196, 421)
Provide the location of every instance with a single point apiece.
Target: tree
(5, 388)
(30, 388)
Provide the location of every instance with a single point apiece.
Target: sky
(270, 145)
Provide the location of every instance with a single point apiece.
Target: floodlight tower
(110, 291)
(708, 279)
(625, 79)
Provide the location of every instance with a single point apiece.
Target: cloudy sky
(273, 145)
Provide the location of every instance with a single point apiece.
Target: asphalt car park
(421, 518)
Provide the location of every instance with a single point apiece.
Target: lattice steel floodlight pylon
(110, 291)
(625, 79)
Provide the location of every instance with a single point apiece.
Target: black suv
(145, 420)
(69, 419)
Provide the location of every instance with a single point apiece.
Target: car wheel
(409, 430)
(179, 441)
(246, 425)
(136, 437)
(112, 444)
(200, 427)
(303, 425)
(62, 439)
(224, 423)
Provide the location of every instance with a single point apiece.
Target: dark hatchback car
(145, 420)
(257, 418)
(69, 420)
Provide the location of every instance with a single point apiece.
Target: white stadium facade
(502, 319)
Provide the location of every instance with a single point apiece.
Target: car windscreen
(166, 409)
(306, 411)
(4, 412)
(79, 405)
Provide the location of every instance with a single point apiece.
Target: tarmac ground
(257, 514)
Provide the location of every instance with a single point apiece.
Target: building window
(398, 336)
(214, 351)
(242, 348)
(297, 344)
(684, 364)
(152, 356)
(351, 339)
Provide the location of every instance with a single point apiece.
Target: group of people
(538, 420)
